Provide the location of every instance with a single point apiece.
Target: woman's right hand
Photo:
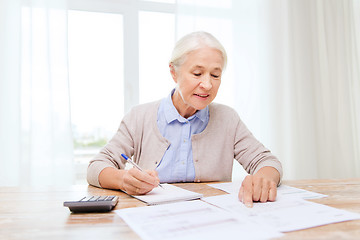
(132, 181)
(136, 182)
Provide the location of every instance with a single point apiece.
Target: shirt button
(198, 180)
(155, 162)
(196, 160)
(183, 162)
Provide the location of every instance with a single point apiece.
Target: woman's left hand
(260, 187)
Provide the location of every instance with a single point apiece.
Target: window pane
(160, 1)
(156, 40)
(96, 80)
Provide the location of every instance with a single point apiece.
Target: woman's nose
(206, 83)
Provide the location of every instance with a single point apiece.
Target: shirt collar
(171, 114)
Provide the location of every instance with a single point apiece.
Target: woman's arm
(107, 169)
(264, 168)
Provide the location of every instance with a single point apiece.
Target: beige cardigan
(224, 139)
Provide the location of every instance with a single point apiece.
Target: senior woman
(185, 137)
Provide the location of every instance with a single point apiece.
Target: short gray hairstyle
(192, 42)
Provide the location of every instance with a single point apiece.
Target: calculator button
(86, 199)
(93, 199)
(82, 199)
(102, 198)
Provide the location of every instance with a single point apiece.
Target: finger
(247, 184)
(241, 194)
(130, 184)
(144, 177)
(137, 190)
(141, 191)
(133, 183)
(272, 191)
(265, 191)
(131, 189)
(257, 189)
(134, 190)
(154, 174)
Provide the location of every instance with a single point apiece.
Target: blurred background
(70, 70)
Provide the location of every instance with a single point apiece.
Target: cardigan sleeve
(250, 153)
(110, 155)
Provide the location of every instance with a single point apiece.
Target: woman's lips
(202, 95)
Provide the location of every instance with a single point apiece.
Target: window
(155, 49)
(114, 56)
(96, 81)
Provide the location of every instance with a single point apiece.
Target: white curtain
(294, 74)
(313, 66)
(35, 132)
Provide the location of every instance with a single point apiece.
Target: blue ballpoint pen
(134, 164)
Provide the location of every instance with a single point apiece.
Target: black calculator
(92, 204)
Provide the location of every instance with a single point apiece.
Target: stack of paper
(167, 194)
(225, 217)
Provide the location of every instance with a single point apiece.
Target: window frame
(129, 9)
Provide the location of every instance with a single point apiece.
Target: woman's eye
(215, 76)
(197, 74)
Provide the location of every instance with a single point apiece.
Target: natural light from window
(156, 41)
(96, 81)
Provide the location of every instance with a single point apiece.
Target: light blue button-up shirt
(177, 163)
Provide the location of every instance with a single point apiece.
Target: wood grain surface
(38, 213)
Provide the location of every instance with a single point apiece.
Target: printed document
(192, 220)
(283, 190)
(285, 214)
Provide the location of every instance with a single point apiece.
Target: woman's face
(198, 80)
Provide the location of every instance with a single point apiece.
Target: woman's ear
(173, 72)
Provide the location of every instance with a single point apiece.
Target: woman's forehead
(215, 67)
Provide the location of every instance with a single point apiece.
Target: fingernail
(249, 205)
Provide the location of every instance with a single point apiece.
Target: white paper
(191, 220)
(283, 190)
(287, 191)
(229, 187)
(169, 193)
(285, 214)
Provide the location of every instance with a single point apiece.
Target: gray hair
(192, 42)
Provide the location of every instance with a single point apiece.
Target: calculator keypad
(92, 204)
